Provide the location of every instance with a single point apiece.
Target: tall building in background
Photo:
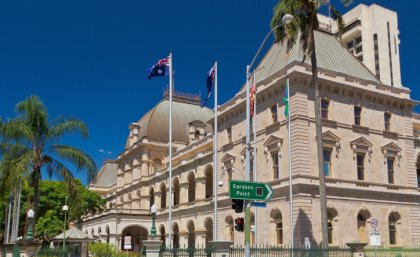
(371, 34)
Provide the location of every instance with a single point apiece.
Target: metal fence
(271, 251)
(393, 251)
(186, 252)
(52, 252)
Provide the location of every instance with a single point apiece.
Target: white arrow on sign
(270, 192)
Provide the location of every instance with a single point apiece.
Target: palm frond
(35, 114)
(336, 15)
(63, 126)
(16, 130)
(66, 175)
(80, 159)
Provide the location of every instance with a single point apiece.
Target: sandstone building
(371, 150)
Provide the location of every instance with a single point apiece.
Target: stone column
(221, 248)
(183, 193)
(200, 188)
(152, 247)
(200, 239)
(357, 248)
(183, 239)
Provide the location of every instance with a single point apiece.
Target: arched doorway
(362, 233)
(209, 181)
(191, 234)
(208, 225)
(136, 234)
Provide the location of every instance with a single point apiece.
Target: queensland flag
(210, 83)
(160, 69)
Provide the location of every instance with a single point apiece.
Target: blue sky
(86, 58)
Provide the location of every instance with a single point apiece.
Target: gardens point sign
(250, 190)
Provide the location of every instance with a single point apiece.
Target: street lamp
(220, 183)
(65, 209)
(153, 210)
(30, 233)
(286, 19)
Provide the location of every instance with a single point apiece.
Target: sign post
(127, 243)
(374, 235)
(250, 190)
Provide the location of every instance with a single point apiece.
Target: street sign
(250, 190)
(127, 243)
(259, 204)
(374, 223)
(374, 238)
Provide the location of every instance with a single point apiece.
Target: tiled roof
(73, 233)
(331, 55)
(107, 175)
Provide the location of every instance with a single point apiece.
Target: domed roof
(155, 123)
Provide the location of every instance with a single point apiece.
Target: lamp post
(30, 233)
(65, 209)
(153, 210)
(220, 183)
(286, 19)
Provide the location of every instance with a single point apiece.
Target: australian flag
(160, 69)
(210, 83)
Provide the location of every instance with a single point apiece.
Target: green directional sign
(250, 190)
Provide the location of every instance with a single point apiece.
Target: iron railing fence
(275, 251)
(186, 252)
(393, 251)
(52, 252)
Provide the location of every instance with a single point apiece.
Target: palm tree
(305, 22)
(29, 144)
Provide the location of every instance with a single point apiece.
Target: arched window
(138, 194)
(175, 232)
(332, 213)
(197, 134)
(209, 181)
(230, 228)
(208, 225)
(362, 218)
(191, 187)
(163, 196)
(107, 234)
(418, 171)
(191, 234)
(157, 164)
(392, 227)
(151, 197)
(176, 191)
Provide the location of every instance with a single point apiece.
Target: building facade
(370, 146)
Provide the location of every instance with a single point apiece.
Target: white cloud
(101, 150)
(104, 151)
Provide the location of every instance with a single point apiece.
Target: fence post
(357, 248)
(221, 248)
(152, 247)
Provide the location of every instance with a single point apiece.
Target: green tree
(52, 197)
(29, 144)
(305, 22)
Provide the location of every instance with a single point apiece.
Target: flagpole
(247, 164)
(215, 224)
(170, 149)
(255, 155)
(290, 164)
